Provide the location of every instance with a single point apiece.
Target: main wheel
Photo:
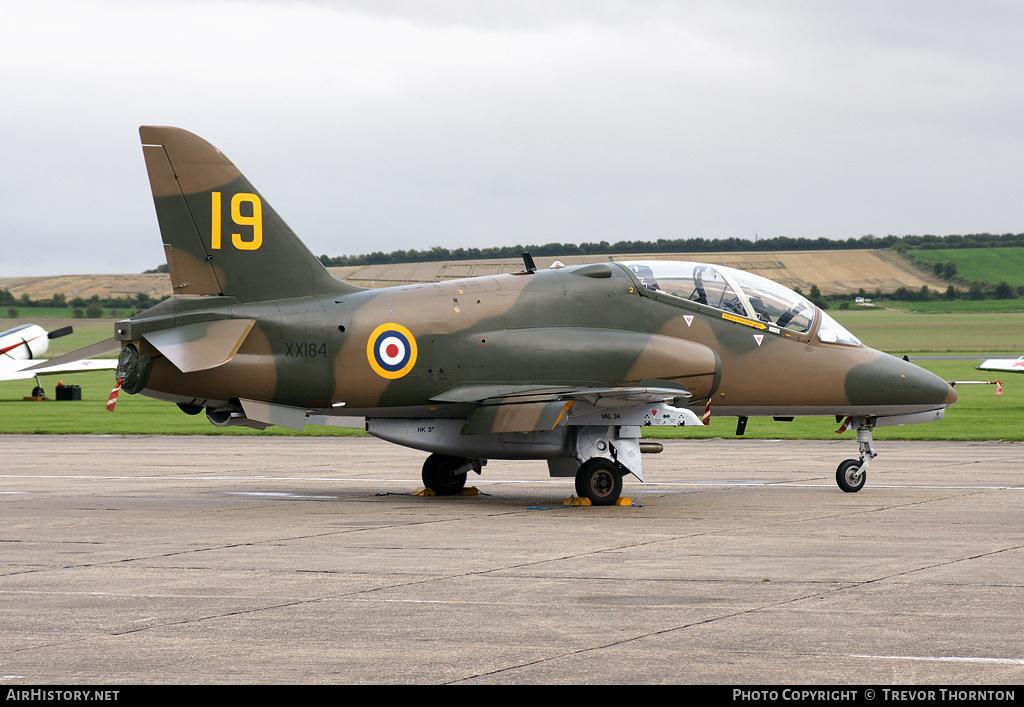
(600, 480)
(439, 476)
(847, 477)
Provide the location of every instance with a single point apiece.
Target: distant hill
(44, 287)
(992, 265)
(834, 272)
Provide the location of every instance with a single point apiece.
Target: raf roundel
(391, 350)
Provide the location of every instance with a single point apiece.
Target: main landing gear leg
(852, 473)
(605, 455)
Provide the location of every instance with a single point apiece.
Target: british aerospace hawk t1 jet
(565, 364)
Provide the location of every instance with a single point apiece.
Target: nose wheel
(851, 475)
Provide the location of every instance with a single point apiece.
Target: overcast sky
(384, 125)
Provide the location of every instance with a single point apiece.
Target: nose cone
(950, 395)
(894, 386)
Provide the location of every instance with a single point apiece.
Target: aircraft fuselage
(587, 326)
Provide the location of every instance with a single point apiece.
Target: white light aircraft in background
(22, 347)
(1015, 365)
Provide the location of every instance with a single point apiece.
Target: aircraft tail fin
(220, 235)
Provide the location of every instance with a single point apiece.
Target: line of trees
(974, 291)
(79, 307)
(680, 245)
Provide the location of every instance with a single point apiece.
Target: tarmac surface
(134, 560)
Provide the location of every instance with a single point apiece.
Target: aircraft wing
(1003, 364)
(17, 370)
(544, 409)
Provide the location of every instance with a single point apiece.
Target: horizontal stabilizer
(43, 369)
(202, 345)
(103, 347)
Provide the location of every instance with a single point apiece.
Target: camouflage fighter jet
(564, 364)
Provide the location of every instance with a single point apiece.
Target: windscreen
(735, 291)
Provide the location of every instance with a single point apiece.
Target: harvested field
(85, 286)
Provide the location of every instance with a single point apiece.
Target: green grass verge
(134, 414)
(978, 415)
(34, 314)
(902, 331)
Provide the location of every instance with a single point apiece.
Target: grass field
(902, 331)
(34, 314)
(134, 414)
(992, 265)
(978, 415)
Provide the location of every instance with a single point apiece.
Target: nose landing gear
(852, 473)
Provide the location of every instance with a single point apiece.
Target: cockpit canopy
(741, 293)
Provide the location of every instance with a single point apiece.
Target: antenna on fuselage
(531, 267)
